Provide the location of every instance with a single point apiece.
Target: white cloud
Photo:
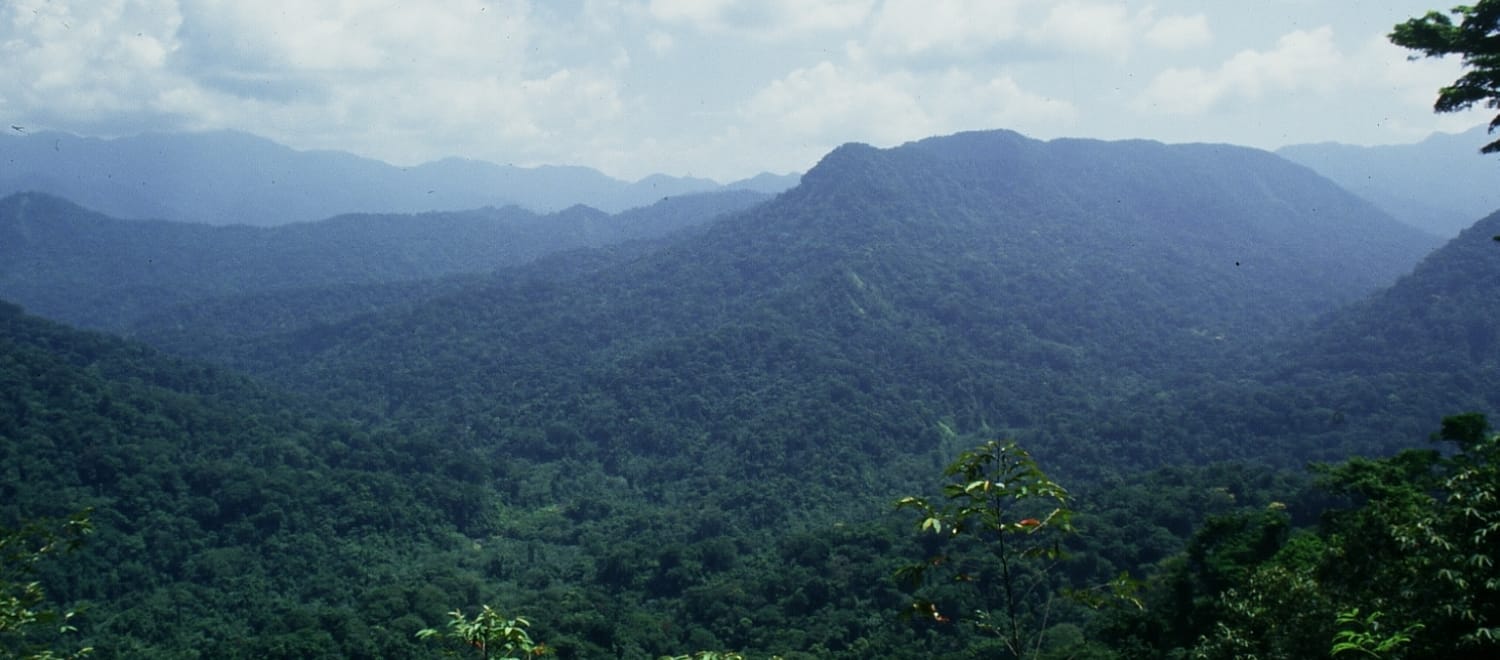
(920, 27)
(1387, 90)
(1180, 32)
(828, 104)
(84, 64)
(400, 83)
(762, 19)
(1113, 30)
(1089, 26)
(722, 88)
(954, 29)
(659, 42)
(792, 121)
(703, 15)
(323, 39)
(1302, 61)
(803, 16)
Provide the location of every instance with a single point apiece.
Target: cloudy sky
(715, 88)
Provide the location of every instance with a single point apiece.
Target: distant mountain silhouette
(767, 183)
(68, 263)
(227, 177)
(1441, 184)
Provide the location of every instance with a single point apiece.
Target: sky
(722, 89)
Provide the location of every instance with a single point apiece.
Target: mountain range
(1102, 269)
(689, 436)
(78, 266)
(1441, 184)
(226, 177)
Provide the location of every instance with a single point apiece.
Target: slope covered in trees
(980, 280)
(695, 444)
(70, 264)
(1427, 345)
(230, 520)
(233, 521)
(1438, 318)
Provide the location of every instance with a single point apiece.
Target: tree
(1363, 636)
(1001, 498)
(21, 598)
(490, 635)
(1477, 39)
(1416, 551)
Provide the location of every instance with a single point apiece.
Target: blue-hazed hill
(227, 177)
(71, 264)
(1428, 345)
(976, 281)
(1441, 184)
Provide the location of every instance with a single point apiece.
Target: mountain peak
(844, 158)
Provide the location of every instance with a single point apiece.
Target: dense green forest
(696, 442)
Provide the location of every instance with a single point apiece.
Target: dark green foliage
(1422, 348)
(693, 444)
(1001, 500)
(23, 615)
(1413, 547)
(225, 517)
(488, 635)
(1364, 636)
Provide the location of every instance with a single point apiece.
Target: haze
(720, 89)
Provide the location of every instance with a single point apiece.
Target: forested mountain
(227, 177)
(982, 281)
(67, 263)
(231, 521)
(767, 183)
(694, 443)
(1440, 184)
(1428, 343)
(1438, 318)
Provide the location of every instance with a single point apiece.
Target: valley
(684, 426)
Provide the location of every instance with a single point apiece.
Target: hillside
(1438, 318)
(227, 516)
(64, 262)
(1441, 184)
(979, 281)
(223, 178)
(237, 520)
(693, 442)
(1427, 344)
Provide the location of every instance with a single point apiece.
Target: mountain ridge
(228, 177)
(694, 441)
(66, 262)
(878, 262)
(1440, 184)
